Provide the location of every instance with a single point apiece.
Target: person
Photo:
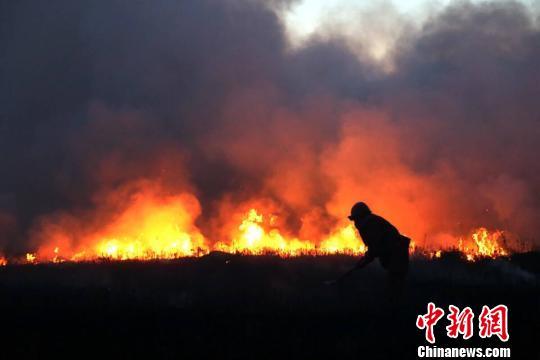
(383, 241)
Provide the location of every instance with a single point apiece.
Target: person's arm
(366, 259)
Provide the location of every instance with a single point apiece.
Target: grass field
(254, 307)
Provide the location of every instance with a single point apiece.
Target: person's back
(383, 241)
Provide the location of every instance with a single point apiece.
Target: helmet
(359, 211)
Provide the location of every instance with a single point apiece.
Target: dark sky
(203, 95)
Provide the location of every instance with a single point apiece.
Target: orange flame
(151, 227)
(31, 258)
(157, 226)
(484, 244)
(256, 235)
(251, 237)
(344, 240)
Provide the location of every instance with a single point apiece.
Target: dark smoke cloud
(204, 95)
(471, 81)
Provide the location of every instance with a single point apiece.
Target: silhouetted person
(383, 241)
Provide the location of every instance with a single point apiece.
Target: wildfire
(154, 226)
(480, 244)
(30, 258)
(484, 244)
(3, 261)
(257, 235)
(343, 240)
(251, 237)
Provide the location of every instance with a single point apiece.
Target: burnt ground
(240, 307)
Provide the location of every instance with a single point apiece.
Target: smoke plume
(105, 103)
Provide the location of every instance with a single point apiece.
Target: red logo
(491, 322)
(494, 322)
(460, 322)
(429, 320)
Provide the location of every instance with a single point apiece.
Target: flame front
(256, 234)
(151, 226)
(158, 234)
(484, 244)
(157, 226)
(344, 240)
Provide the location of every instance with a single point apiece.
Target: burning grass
(152, 224)
(254, 240)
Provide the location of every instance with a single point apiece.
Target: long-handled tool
(363, 262)
(340, 279)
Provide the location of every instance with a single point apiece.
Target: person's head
(359, 211)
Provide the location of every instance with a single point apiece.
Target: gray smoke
(204, 95)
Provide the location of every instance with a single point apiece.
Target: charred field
(254, 307)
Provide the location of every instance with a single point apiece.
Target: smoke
(206, 98)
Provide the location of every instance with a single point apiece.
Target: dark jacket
(385, 242)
